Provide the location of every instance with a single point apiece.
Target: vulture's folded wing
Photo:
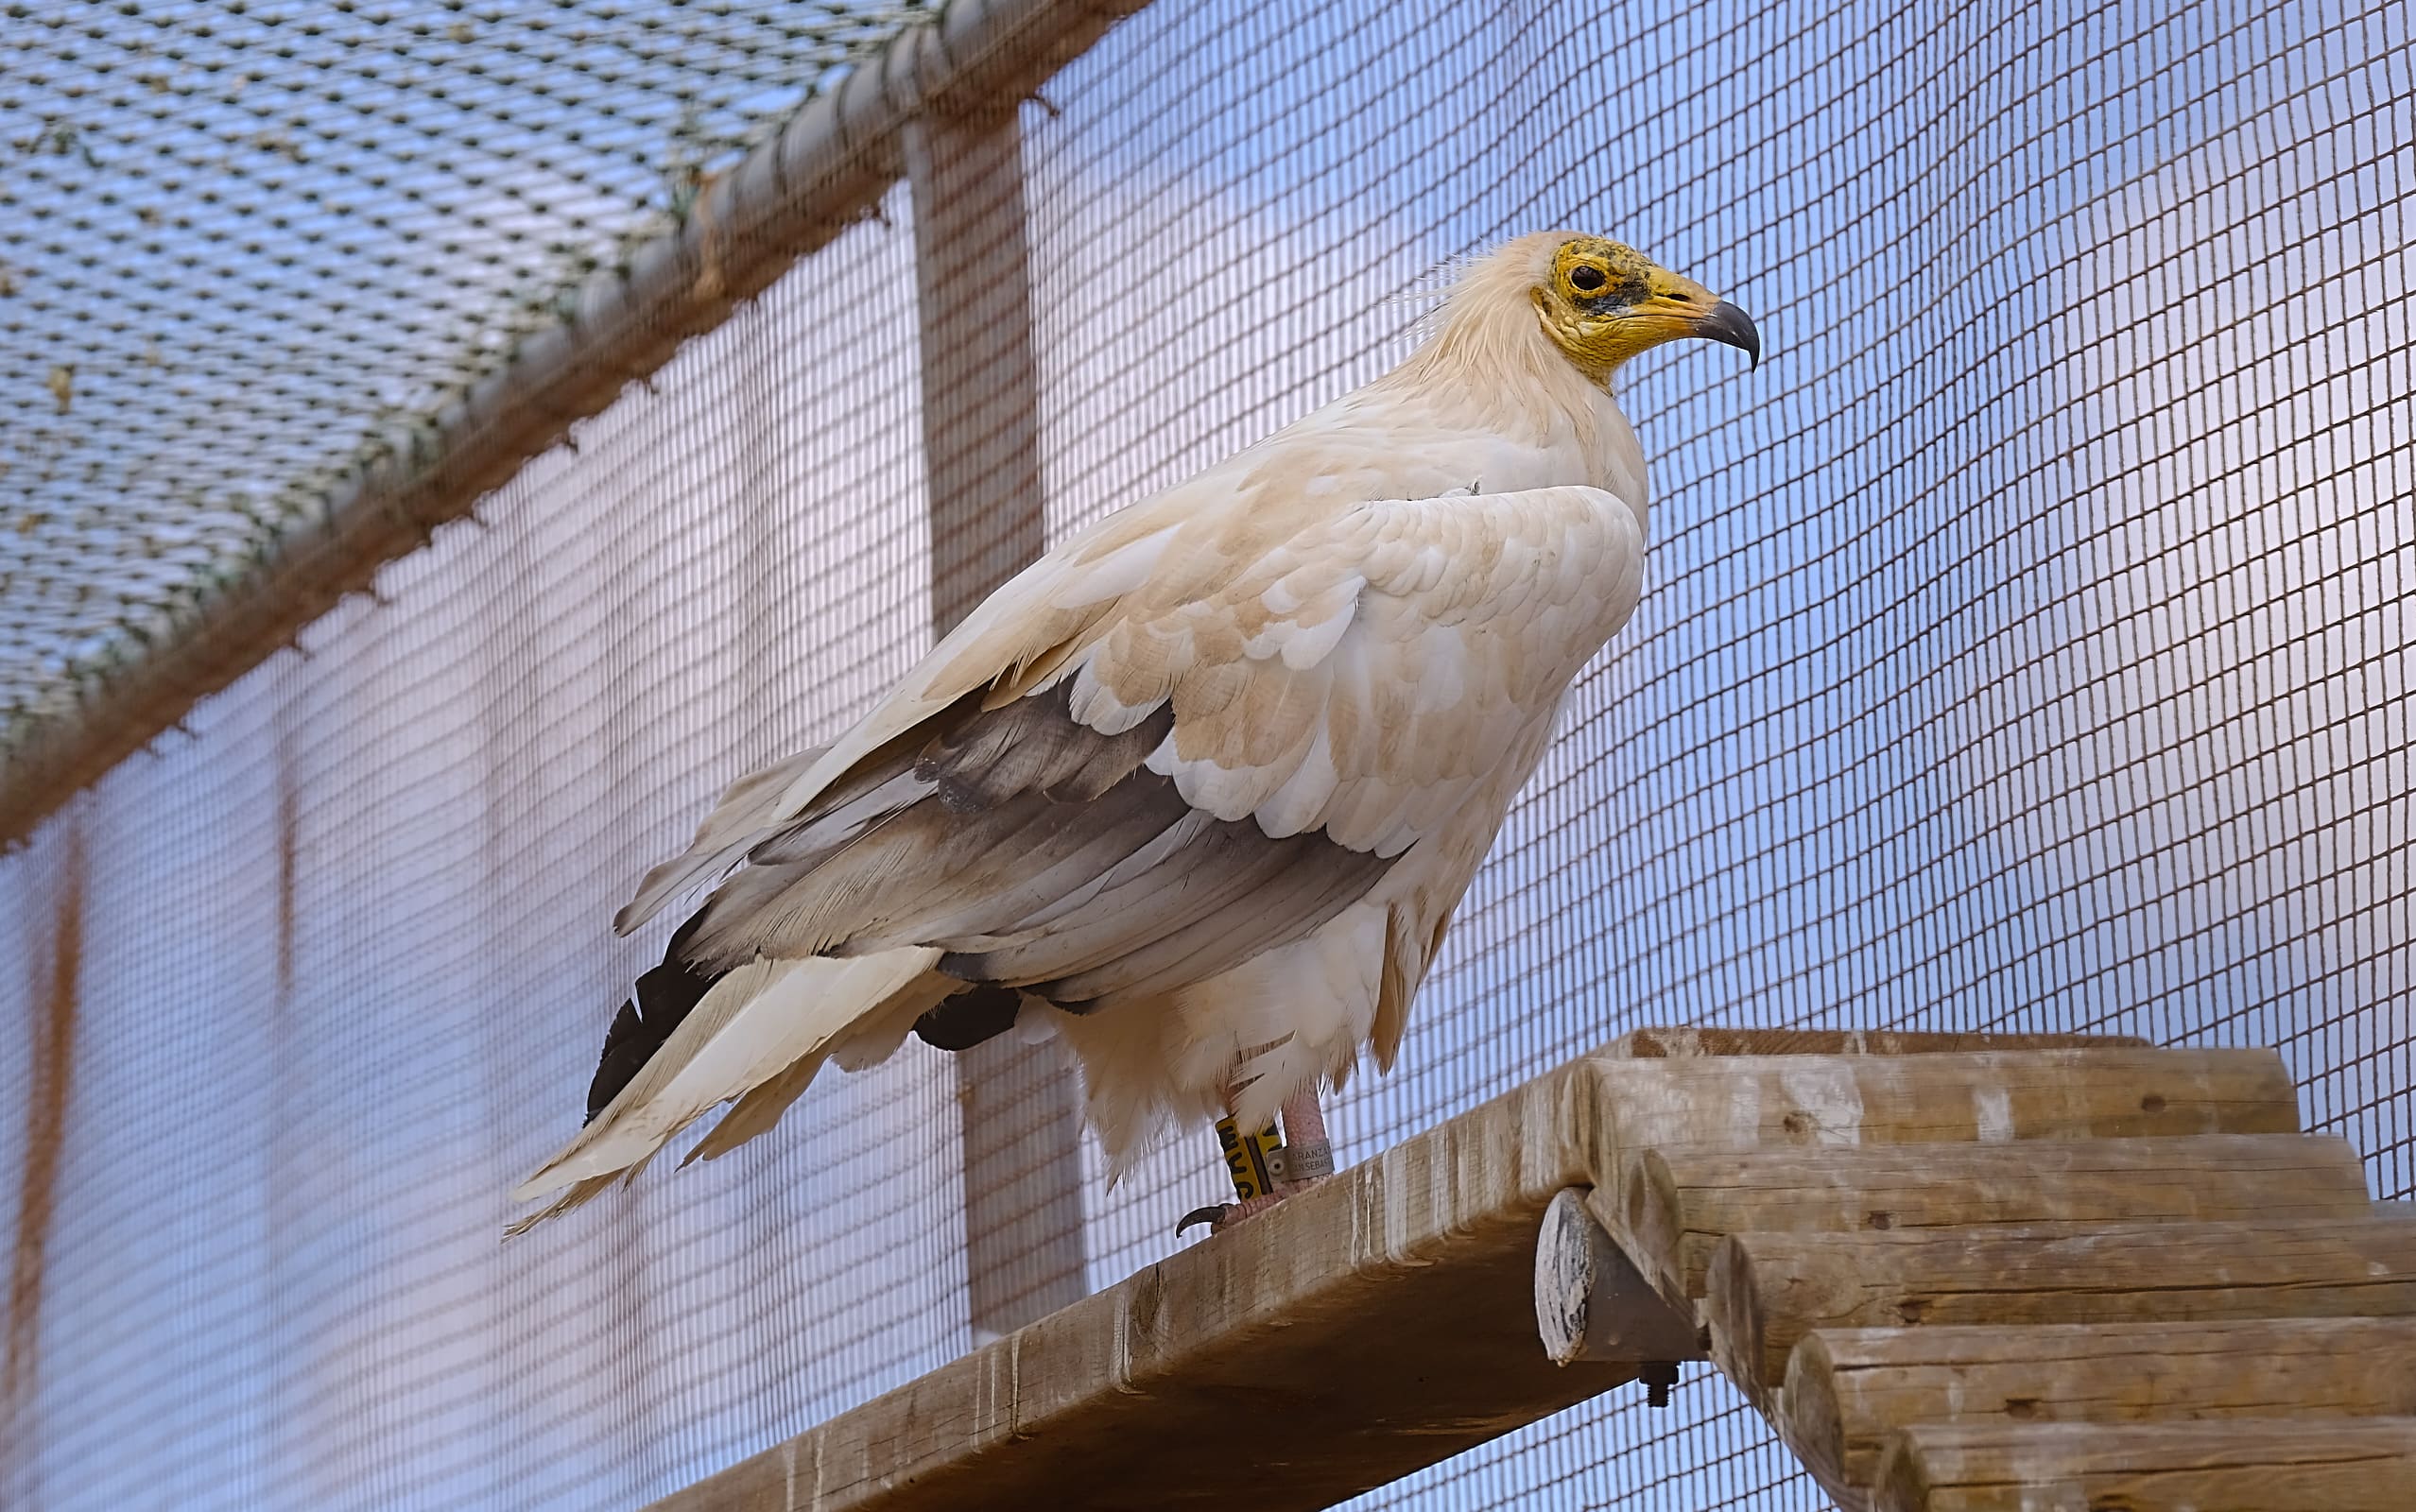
(1201, 780)
(1151, 785)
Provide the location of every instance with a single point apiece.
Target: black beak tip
(1727, 323)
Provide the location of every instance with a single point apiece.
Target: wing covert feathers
(744, 812)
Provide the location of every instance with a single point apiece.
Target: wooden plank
(1663, 1041)
(1766, 1291)
(1764, 1102)
(1019, 1104)
(1360, 1331)
(2263, 1465)
(1848, 1389)
(1676, 1206)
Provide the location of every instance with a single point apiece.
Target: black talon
(1212, 1215)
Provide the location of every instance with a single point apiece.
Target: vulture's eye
(1588, 279)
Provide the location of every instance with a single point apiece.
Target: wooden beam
(2266, 1464)
(980, 377)
(1766, 1291)
(1360, 1331)
(1763, 1101)
(790, 195)
(1590, 1304)
(1848, 1389)
(1693, 1043)
(1018, 1106)
(1676, 1206)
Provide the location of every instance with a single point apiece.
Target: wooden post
(1590, 1303)
(981, 449)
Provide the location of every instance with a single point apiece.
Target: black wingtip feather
(626, 1047)
(664, 997)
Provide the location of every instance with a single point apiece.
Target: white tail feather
(754, 1023)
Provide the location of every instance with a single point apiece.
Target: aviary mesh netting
(248, 249)
(2025, 648)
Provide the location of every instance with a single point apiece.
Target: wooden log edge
(1591, 1304)
(2268, 1465)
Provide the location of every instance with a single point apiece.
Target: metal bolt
(1658, 1377)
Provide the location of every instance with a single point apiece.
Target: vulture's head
(1602, 302)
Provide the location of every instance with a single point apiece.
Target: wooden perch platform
(1935, 1262)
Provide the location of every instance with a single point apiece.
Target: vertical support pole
(981, 452)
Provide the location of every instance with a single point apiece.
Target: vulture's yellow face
(1602, 303)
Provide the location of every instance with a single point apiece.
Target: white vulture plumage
(1200, 789)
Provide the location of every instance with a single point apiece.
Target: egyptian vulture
(1199, 790)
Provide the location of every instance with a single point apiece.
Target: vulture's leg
(1308, 1158)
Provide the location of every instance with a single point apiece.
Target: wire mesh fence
(246, 248)
(2024, 648)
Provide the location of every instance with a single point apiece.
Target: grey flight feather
(1127, 937)
(1037, 852)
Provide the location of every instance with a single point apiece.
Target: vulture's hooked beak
(1731, 326)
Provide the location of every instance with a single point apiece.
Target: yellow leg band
(1251, 1160)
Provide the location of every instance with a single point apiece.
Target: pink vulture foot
(1308, 1160)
